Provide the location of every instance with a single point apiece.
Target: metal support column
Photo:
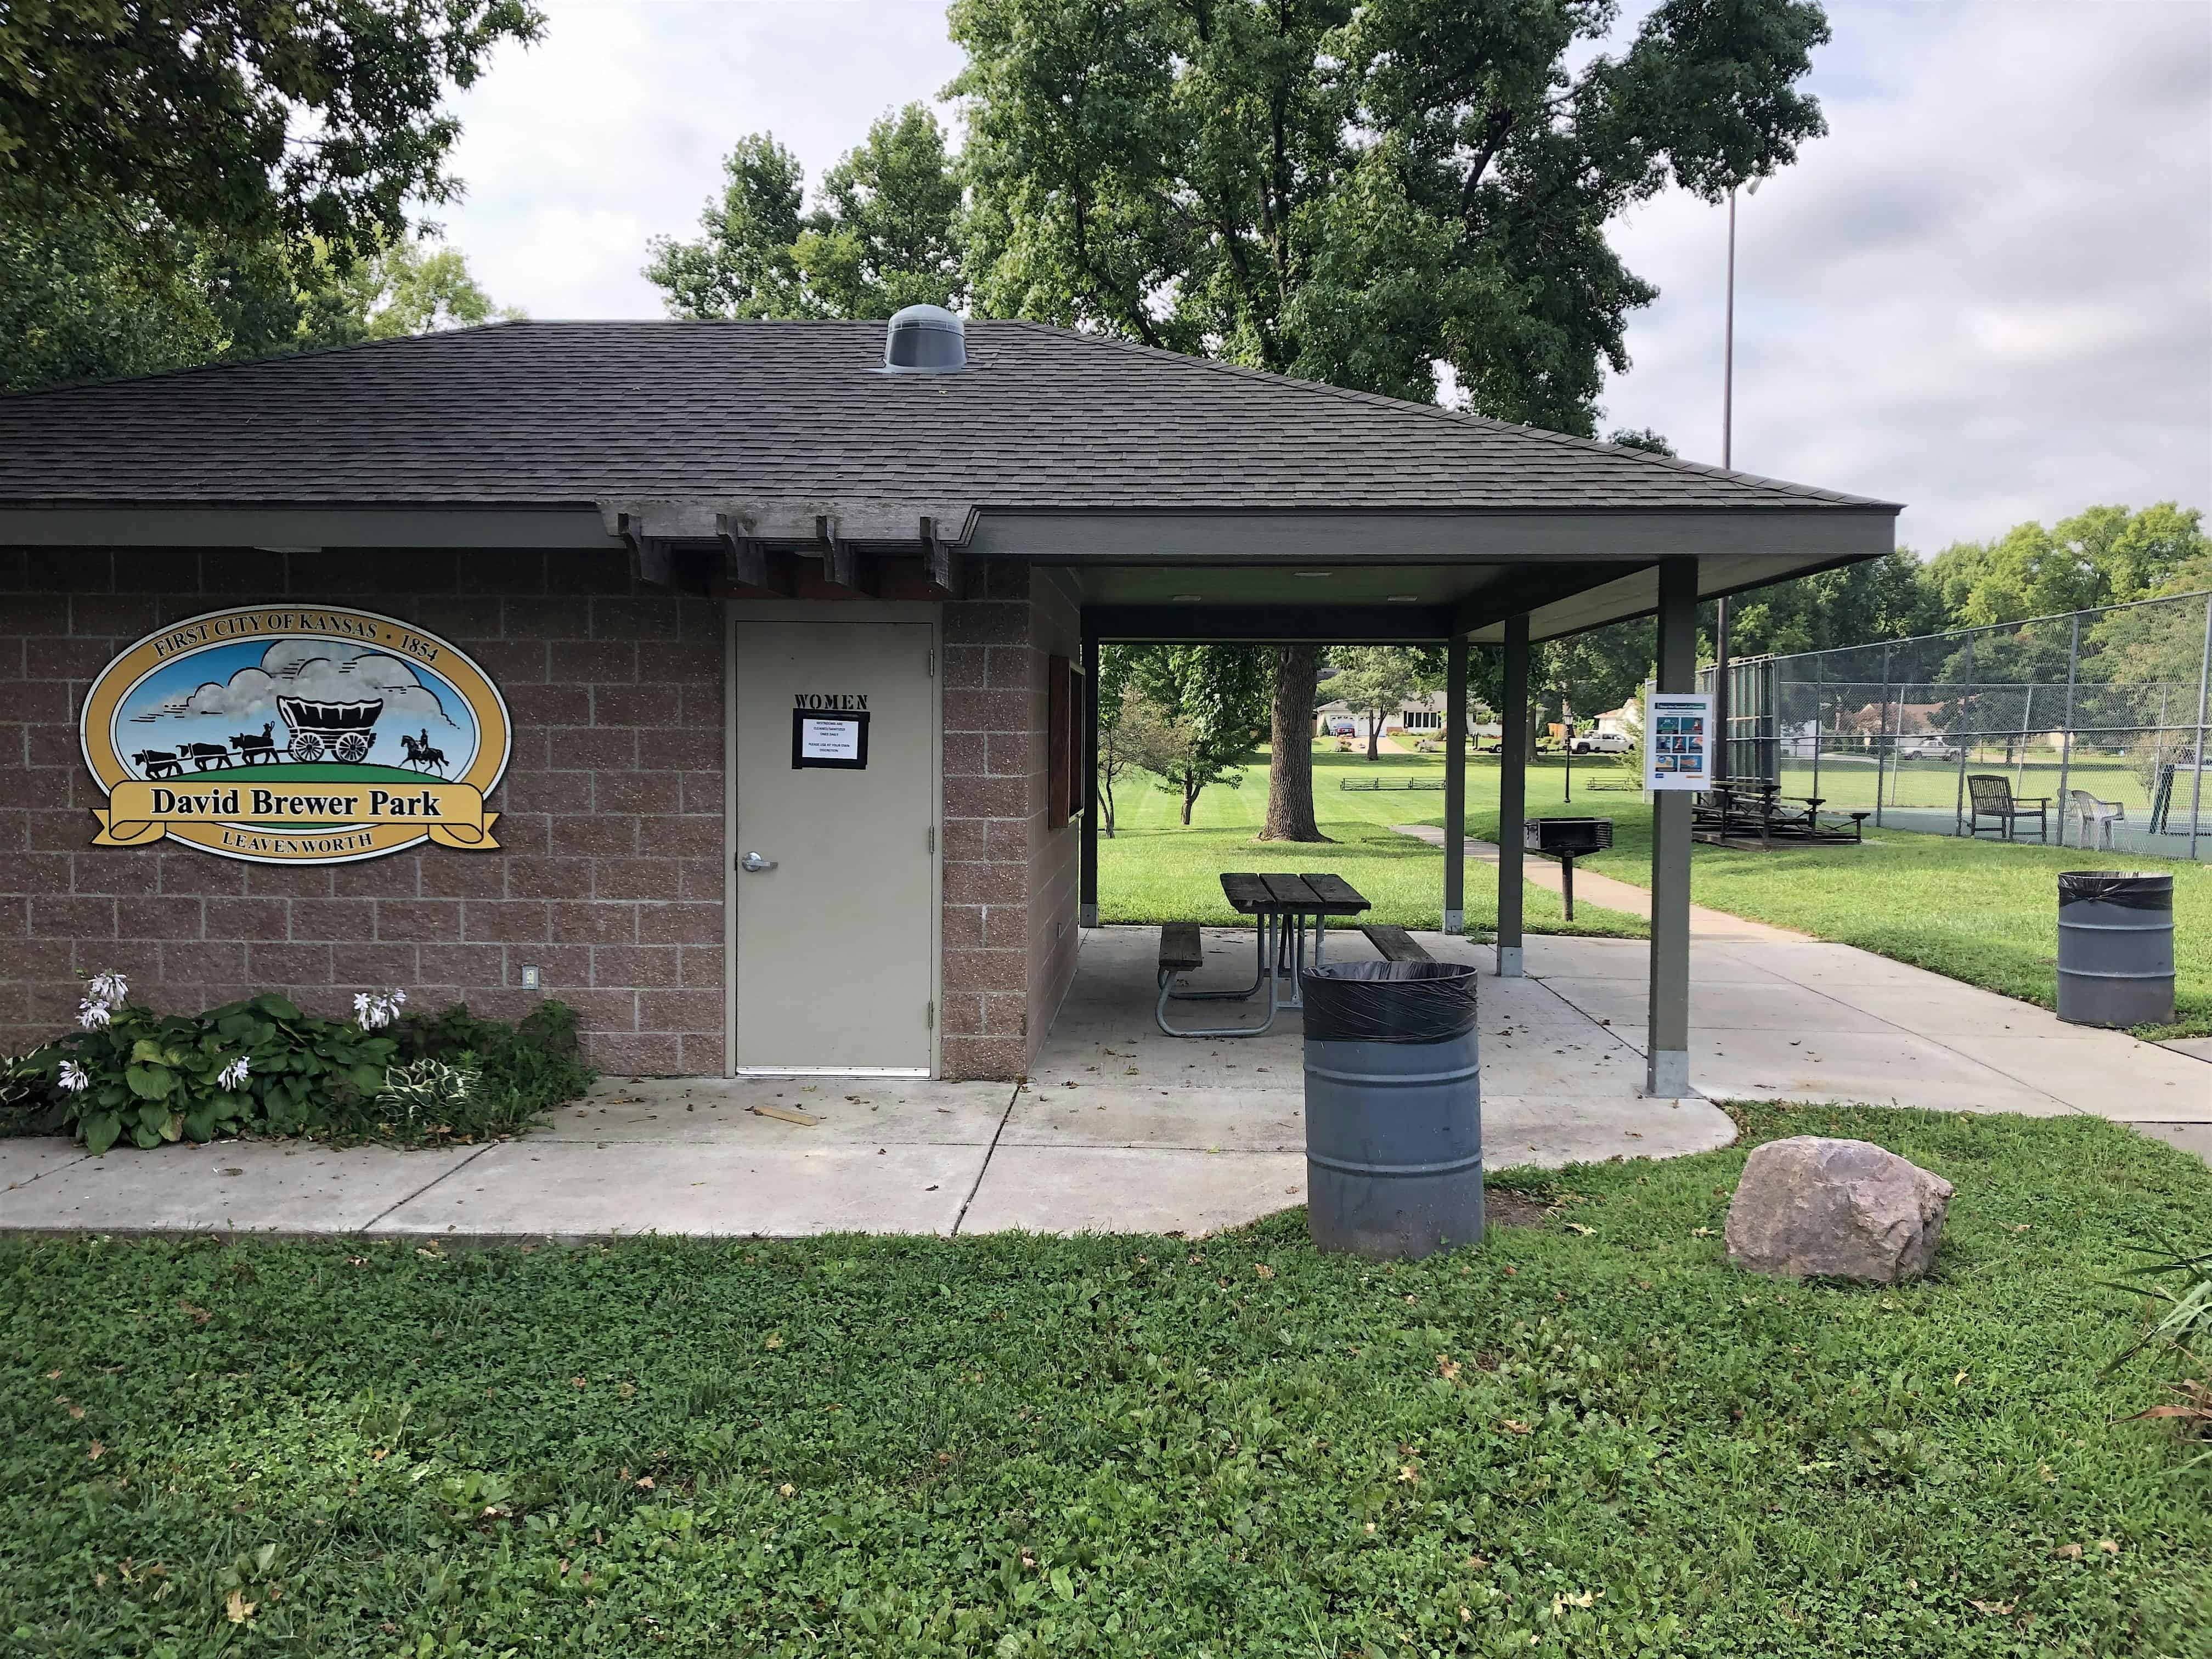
(1087, 880)
(2203, 709)
(1512, 794)
(1666, 1045)
(1456, 784)
(2066, 743)
(1881, 737)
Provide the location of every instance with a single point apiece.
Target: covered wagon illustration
(340, 730)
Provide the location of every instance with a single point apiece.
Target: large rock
(1845, 1209)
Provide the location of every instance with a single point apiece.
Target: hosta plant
(258, 1067)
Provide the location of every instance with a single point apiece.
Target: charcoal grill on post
(1566, 840)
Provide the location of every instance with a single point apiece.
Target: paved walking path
(1607, 892)
(1121, 1129)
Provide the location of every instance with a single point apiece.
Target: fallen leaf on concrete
(785, 1115)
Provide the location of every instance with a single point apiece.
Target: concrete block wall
(610, 878)
(1008, 882)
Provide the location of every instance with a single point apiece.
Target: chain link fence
(2097, 719)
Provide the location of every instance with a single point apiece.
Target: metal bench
(1989, 796)
(1394, 944)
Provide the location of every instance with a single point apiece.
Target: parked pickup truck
(1601, 743)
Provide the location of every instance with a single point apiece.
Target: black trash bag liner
(2131, 889)
(1390, 1001)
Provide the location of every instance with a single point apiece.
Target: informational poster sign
(1678, 740)
(838, 742)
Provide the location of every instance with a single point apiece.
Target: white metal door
(835, 843)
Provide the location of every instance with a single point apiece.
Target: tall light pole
(1720, 733)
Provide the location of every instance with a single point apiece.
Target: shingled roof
(546, 414)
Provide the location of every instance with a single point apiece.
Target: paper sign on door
(839, 742)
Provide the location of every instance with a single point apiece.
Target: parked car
(1343, 725)
(1924, 746)
(1602, 743)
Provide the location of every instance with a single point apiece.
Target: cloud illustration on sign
(310, 669)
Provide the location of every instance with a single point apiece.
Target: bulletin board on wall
(1065, 709)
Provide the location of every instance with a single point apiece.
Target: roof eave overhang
(1737, 547)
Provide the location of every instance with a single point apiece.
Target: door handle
(753, 863)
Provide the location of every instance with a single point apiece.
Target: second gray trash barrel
(1393, 1108)
(2115, 948)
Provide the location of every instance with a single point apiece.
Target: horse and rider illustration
(421, 756)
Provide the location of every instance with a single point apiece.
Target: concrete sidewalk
(1121, 1129)
(1118, 1128)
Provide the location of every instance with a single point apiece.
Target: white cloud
(1984, 294)
(305, 668)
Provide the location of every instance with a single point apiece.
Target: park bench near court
(1990, 796)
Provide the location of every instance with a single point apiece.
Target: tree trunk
(1106, 799)
(1190, 798)
(1290, 771)
(1374, 729)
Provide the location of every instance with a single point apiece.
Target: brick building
(789, 642)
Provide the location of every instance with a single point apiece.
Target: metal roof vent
(925, 340)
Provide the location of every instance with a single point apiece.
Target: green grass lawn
(1155, 870)
(1590, 1437)
(1979, 911)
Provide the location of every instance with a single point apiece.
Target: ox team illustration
(295, 734)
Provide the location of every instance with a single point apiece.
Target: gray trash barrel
(1393, 1108)
(2115, 948)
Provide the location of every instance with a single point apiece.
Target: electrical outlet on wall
(529, 977)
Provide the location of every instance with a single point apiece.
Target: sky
(1986, 293)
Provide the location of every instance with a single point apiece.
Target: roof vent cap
(925, 340)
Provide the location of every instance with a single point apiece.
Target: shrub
(519, 1070)
(262, 1067)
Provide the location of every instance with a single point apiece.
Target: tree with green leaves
(242, 120)
(2101, 555)
(1215, 699)
(886, 231)
(1357, 193)
(1376, 681)
(182, 184)
(77, 304)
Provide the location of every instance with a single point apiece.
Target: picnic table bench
(1743, 808)
(1280, 905)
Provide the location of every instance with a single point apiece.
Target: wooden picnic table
(1281, 905)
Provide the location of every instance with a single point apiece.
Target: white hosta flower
(73, 1077)
(93, 1016)
(107, 989)
(232, 1076)
(374, 1011)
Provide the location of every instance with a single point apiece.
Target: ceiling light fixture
(1401, 598)
(1313, 573)
(1186, 598)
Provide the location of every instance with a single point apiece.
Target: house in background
(1421, 716)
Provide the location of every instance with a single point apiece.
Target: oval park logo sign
(293, 734)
